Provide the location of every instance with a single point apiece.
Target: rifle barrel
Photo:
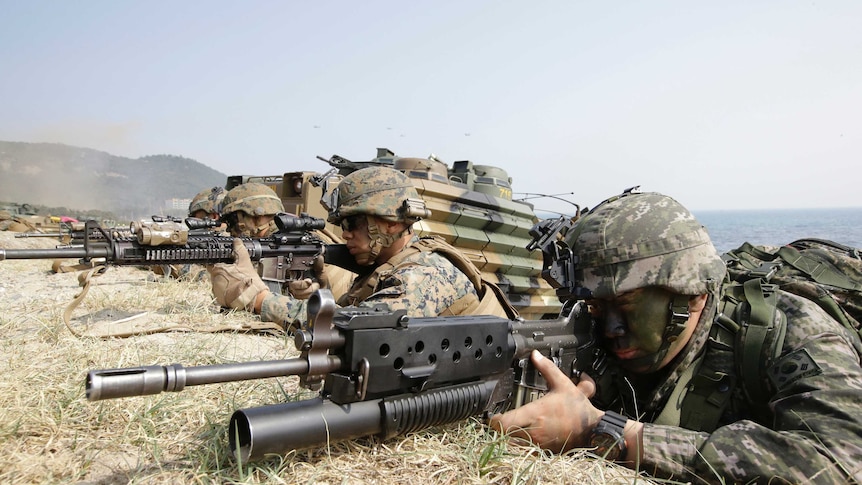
(57, 253)
(154, 379)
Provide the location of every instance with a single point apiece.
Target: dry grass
(49, 432)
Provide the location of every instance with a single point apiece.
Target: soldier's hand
(320, 272)
(560, 420)
(302, 289)
(236, 285)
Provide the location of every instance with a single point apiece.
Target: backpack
(749, 329)
(826, 272)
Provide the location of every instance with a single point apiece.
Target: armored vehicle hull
(471, 208)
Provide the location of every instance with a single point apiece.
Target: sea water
(730, 228)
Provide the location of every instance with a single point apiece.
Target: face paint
(634, 327)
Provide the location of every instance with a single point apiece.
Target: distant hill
(56, 175)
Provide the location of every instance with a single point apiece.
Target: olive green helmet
(207, 200)
(377, 191)
(637, 240)
(252, 198)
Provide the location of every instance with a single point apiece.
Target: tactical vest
(490, 301)
(742, 358)
(745, 339)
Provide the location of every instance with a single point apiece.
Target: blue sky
(732, 104)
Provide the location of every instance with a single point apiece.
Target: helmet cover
(377, 191)
(207, 200)
(638, 240)
(254, 199)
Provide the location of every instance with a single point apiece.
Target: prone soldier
(249, 210)
(706, 393)
(204, 205)
(376, 208)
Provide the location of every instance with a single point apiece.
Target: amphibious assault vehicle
(471, 208)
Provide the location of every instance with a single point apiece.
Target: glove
(236, 285)
(302, 289)
(320, 272)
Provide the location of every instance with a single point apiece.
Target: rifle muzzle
(134, 381)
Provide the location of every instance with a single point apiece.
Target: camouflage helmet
(637, 240)
(378, 191)
(207, 200)
(252, 198)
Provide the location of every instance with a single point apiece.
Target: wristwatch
(608, 438)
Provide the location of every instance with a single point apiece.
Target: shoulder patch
(792, 367)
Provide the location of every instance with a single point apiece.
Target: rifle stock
(381, 373)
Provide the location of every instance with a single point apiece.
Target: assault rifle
(285, 255)
(76, 232)
(381, 373)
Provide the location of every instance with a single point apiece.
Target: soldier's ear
(697, 303)
(391, 227)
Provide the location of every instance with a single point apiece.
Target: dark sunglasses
(352, 223)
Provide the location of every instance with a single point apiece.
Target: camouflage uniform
(425, 284)
(426, 278)
(807, 426)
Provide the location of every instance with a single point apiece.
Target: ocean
(730, 228)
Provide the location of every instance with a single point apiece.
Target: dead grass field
(49, 432)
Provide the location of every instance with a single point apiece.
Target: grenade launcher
(381, 373)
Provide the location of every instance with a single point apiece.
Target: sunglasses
(354, 222)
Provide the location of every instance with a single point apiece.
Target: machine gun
(381, 373)
(285, 255)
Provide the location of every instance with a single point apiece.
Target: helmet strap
(245, 229)
(382, 239)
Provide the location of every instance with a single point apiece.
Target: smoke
(118, 137)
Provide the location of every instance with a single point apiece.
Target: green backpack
(750, 330)
(826, 272)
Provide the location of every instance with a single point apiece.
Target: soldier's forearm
(633, 432)
(258, 300)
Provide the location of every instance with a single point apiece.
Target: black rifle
(381, 373)
(75, 232)
(285, 255)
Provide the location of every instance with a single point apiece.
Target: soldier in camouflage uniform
(376, 208)
(658, 291)
(207, 203)
(249, 211)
